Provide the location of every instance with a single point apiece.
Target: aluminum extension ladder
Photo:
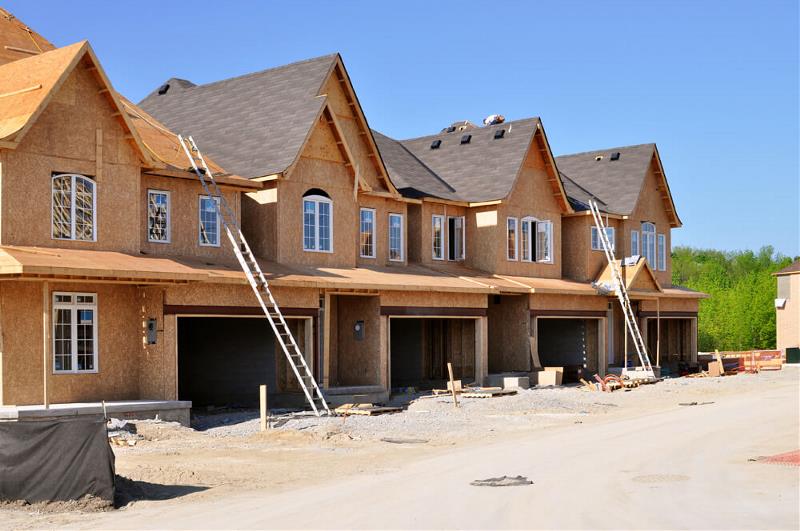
(631, 326)
(256, 279)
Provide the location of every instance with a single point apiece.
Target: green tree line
(740, 313)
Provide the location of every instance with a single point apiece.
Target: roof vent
(465, 139)
(615, 155)
(598, 157)
(500, 133)
(163, 89)
(450, 129)
(435, 144)
(494, 119)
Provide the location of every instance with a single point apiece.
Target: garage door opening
(676, 341)
(420, 349)
(569, 343)
(222, 361)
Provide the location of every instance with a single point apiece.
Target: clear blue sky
(713, 83)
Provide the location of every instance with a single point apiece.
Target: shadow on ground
(129, 491)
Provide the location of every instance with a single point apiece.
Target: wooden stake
(452, 383)
(262, 392)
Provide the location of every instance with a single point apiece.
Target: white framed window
(73, 208)
(396, 237)
(662, 252)
(367, 233)
(437, 237)
(544, 241)
(527, 237)
(75, 347)
(649, 243)
(597, 245)
(158, 216)
(208, 221)
(317, 224)
(456, 240)
(512, 238)
(635, 243)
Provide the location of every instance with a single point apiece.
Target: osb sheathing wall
(547, 301)
(184, 197)
(383, 207)
(669, 304)
(354, 361)
(433, 299)
(158, 363)
(119, 345)
(581, 262)
(509, 334)
(423, 240)
(76, 126)
(321, 165)
(650, 207)
(532, 195)
(238, 295)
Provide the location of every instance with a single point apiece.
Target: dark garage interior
(569, 343)
(222, 361)
(422, 347)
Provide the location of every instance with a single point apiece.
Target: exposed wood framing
(21, 50)
(352, 100)
(663, 189)
(550, 164)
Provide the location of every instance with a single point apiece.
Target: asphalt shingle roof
(616, 183)
(484, 169)
(252, 125)
(792, 268)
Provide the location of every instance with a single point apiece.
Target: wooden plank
(365, 409)
(452, 383)
(262, 400)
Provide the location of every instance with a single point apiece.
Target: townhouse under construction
(389, 259)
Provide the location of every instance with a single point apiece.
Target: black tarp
(55, 461)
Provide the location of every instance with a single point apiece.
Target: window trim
(653, 261)
(374, 231)
(661, 251)
(168, 194)
(200, 223)
(514, 258)
(613, 238)
(549, 224)
(463, 256)
(402, 237)
(442, 246)
(74, 306)
(531, 221)
(316, 199)
(638, 243)
(74, 177)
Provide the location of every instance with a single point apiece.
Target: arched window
(74, 208)
(317, 221)
(649, 243)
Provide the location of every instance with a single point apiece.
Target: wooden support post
(452, 383)
(262, 399)
(45, 342)
(658, 333)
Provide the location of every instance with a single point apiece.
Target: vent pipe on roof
(494, 119)
(615, 155)
(163, 89)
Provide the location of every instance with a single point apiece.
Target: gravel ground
(434, 418)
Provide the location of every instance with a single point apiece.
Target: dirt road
(676, 467)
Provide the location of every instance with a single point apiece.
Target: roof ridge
(479, 128)
(605, 149)
(256, 73)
